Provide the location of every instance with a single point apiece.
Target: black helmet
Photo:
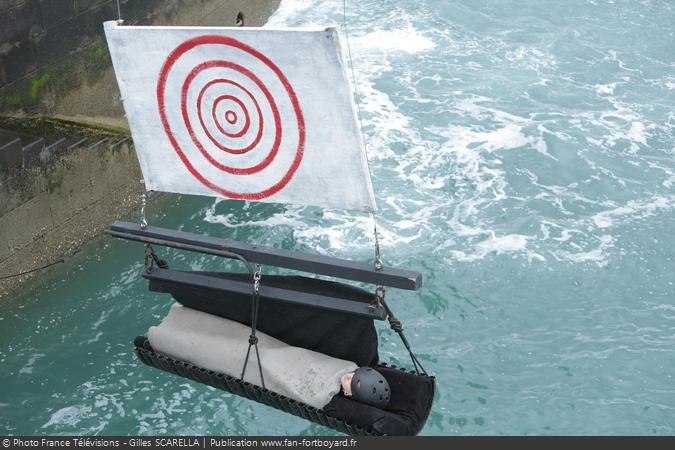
(370, 387)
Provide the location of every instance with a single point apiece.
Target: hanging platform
(329, 317)
(405, 415)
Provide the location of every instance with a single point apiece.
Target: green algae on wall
(36, 86)
(67, 71)
(56, 80)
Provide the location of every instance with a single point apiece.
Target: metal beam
(267, 293)
(304, 262)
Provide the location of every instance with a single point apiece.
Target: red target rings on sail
(234, 120)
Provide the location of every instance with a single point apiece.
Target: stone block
(116, 145)
(100, 145)
(11, 155)
(23, 224)
(7, 136)
(54, 151)
(77, 144)
(55, 11)
(32, 152)
(16, 21)
(18, 60)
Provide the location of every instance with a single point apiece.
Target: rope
(151, 258)
(351, 68)
(119, 12)
(253, 339)
(377, 260)
(4, 277)
(394, 323)
(397, 326)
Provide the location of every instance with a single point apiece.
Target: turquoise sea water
(523, 158)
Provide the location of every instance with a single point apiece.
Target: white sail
(244, 113)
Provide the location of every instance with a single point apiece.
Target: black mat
(406, 413)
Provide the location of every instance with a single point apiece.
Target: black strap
(151, 259)
(397, 326)
(253, 339)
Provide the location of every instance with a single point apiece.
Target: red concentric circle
(275, 111)
(232, 123)
(217, 122)
(230, 116)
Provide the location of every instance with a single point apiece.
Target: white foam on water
(505, 138)
(511, 243)
(632, 210)
(597, 255)
(103, 317)
(407, 40)
(612, 56)
(68, 416)
(531, 58)
(450, 175)
(548, 229)
(580, 241)
(512, 135)
(602, 89)
(636, 133)
(469, 158)
(622, 123)
(668, 170)
(385, 124)
(32, 359)
(287, 11)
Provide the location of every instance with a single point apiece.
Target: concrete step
(11, 155)
(7, 136)
(32, 152)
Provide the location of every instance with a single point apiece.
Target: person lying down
(219, 344)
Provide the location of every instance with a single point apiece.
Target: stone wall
(54, 59)
(62, 195)
(64, 178)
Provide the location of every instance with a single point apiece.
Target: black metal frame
(373, 311)
(318, 264)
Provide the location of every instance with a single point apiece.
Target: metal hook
(144, 222)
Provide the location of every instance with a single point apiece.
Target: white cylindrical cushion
(219, 344)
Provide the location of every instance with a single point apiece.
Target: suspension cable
(151, 259)
(253, 339)
(378, 259)
(143, 221)
(397, 326)
(351, 67)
